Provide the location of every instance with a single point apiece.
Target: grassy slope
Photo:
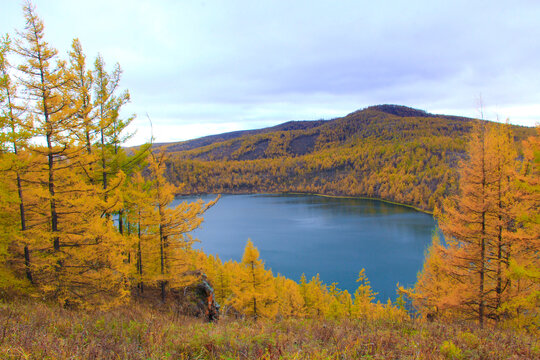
(38, 331)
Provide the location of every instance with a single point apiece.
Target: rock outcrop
(198, 298)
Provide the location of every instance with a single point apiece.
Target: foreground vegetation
(39, 331)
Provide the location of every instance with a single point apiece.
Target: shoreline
(364, 198)
(320, 195)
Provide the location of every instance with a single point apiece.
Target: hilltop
(390, 152)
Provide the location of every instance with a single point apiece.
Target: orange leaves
(471, 276)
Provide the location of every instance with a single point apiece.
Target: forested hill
(209, 140)
(389, 152)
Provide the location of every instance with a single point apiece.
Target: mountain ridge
(210, 139)
(390, 109)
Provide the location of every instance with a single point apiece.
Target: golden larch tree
(76, 251)
(465, 224)
(254, 292)
(471, 276)
(172, 226)
(363, 297)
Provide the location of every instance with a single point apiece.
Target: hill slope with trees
(389, 152)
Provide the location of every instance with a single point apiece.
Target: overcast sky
(204, 67)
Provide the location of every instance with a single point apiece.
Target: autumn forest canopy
(88, 223)
(386, 152)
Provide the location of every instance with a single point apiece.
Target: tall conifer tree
(254, 289)
(464, 222)
(173, 226)
(78, 251)
(16, 131)
(486, 226)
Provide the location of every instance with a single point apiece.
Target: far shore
(317, 194)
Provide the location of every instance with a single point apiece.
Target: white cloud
(193, 64)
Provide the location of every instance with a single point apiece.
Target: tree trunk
(23, 227)
(139, 257)
(254, 285)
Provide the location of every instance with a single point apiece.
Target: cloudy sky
(204, 67)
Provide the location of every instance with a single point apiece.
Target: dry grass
(40, 331)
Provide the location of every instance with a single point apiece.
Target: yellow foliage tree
(521, 307)
(76, 254)
(433, 293)
(290, 302)
(172, 260)
(474, 275)
(254, 291)
(14, 133)
(363, 297)
(315, 295)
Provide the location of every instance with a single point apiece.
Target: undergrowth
(40, 331)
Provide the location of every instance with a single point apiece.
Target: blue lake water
(333, 237)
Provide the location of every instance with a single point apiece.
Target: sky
(195, 68)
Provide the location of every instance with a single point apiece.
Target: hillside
(389, 152)
(209, 140)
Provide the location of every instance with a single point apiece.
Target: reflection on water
(334, 237)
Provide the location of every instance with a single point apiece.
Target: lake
(308, 234)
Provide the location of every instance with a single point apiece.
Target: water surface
(334, 237)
